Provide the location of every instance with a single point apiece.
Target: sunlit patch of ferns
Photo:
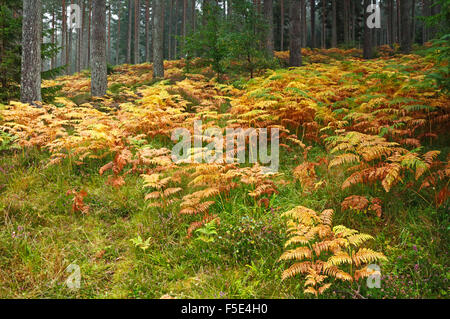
(323, 252)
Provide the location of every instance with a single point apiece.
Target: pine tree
(99, 81)
(158, 54)
(31, 51)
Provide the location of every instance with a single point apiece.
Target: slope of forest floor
(90, 182)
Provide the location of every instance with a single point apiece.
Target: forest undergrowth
(363, 179)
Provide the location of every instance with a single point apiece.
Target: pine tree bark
(268, 15)
(282, 25)
(118, 36)
(89, 34)
(334, 26)
(367, 45)
(313, 23)
(170, 29)
(346, 21)
(30, 84)
(295, 55)
(304, 27)
(99, 81)
(158, 54)
(109, 33)
(136, 31)
(130, 16)
(324, 25)
(406, 34)
(390, 22)
(63, 33)
(147, 31)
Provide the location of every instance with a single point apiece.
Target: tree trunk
(63, 33)
(170, 29)
(268, 15)
(282, 25)
(30, 84)
(109, 34)
(99, 80)
(367, 46)
(295, 55)
(130, 16)
(147, 30)
(303, 22)
(53, 60)
(346, 21)
(334, 26)
(390, 22)
(136, 30)
(89, 34)
(405, 11)
(399, 37)
(324, 25)
(158, 62)
(118, 36)
(413, 19)
(313, 23)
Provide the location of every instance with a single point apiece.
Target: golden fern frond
(340, 258)
(344, 159)
(153, 195)
(342, 231)
(303, 214)
(297, 268)
(393, 175)
(296, 254)
(367, 255)
(358, 239)
(327, 217)
(323, 288)
(364, 273)
(310, 290)
(296, 240)
(170, 191)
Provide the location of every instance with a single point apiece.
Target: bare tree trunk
(390, 22)
(158, 62)
(30, 84)
(147, 31)
(99, 80)
(194, 10)
(367, 46)
(303, 22)
(282, 25)
(109, 33)
(334, 26)
(399, 34)
(405, 11)
(313, 23)
(118, 36)
(53, 60)
(136, 30)
(268, 15)
(346, 21)
(170, 29)
(184, 19)
(89, 34)
(324, 25)
(130, 16)
(426, 13)
(295, 56)
(413, 18)
(63, 33)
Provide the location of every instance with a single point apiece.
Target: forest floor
(89, 182)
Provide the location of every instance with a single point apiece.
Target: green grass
(241, 262)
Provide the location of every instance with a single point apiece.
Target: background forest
(92, 205)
